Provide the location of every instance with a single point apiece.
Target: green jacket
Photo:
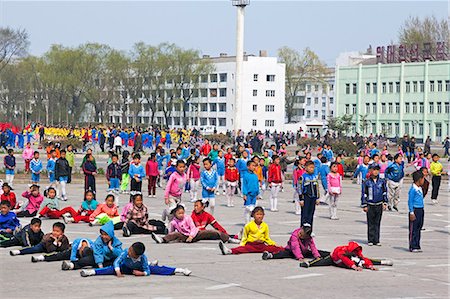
(70, 157)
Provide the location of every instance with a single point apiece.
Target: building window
(308, 101)
(397, 129)
(270, 108)
(324, 104)
(223, 77)
(316, 101)
(438, 107)
(204, 92)
(374, 108)
(397, 87)
(374, 87)
(270, 123)
(397, 107)
(383, 108)
(354, 88)
(213, 92)
(213, 78)
(421, 110)
(222, 92)
(203, 107)
(420, 129)
(354, 108)
(213, 107)
(431, 107)
(391, 87)
(367, 88)
(213, 121)
(331, 101)
(422, 86)
(222, 122)
(255, 77)
(407, 108)
(223, 107)
(347, 109)
(254, 122)
(414, 107)
(255, 108)
(176, 121)
(347, 88)
(255, 92)
(270, 78)
(447, 108)
(383, 87)
(324, 117)
(408, 86)
(431, 86)
(308, 88)
(367, 108)
(439, 84)
(308, 113)
(203, 121)
(390, 110)
(316, 87)
(204, 78)
(414, 86)
(316, 113)
(447, 85)
(270, 93)
(406, 128)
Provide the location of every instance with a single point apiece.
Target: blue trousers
(155, 270)
(414, 229)
(308, 210)
(39, 248)
(114, 184)
(35, 177)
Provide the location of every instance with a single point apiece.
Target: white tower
(240, 4)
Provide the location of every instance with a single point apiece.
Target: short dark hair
(307, 229)
(115, 155)
(417, 175)
(250, 162)
(35, 152)
(323, 159)
(5, 203)
(397, 155)
(36, 221)
(275, 157)
(435, 155)
(178, 207)
(138, 248)
(59, 225)
(257, 209)
(62, 151)
(136, 156)
(207, 160)
(309, 162)
(135, 196)
(179, 162)
(10, 151)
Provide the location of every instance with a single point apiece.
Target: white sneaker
(150, 196)
(14, 252)
(154, 263)
(224, 249)
(157, 238)
(87, 272)
(68, 219)
(387, 263)
(67, 265)
(38, 258)
(234, 241)
(184, 271)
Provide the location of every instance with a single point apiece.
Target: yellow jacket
(254, 233)
(436, 168)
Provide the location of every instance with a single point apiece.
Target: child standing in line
(309, 196)
(10, 166)
(362, 168)
(51, 164)
(275, 180)
(209, 180)
(89, 170)
(250, 190)
(299, 170)
(27, 155)
(334, 187)
(194, 178)
(436, 170)
(174, 189)
(232, 179)
(151, 169)
(416, 212)
(28, 236)
(62, 170)
(255, 239)
(125, 166)
(394, 175)
(35, 199)
(105, 212)
(324, 170)
(88, 207)
(220, 167)
(36, 168)
(137, 173)
(113, 175)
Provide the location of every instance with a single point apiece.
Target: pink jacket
(175, 185)
(194, 171)
(383, 166)
(334, 181)
(297, 175)
(103, 208)
(27, 153)
(185, 226)
(299, 247)
(126, 208)
(151, 168)
(34, 203)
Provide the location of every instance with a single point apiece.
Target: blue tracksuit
(323, 171)
(250, 188)
(11, 162)
(76, 244)
(373, 192)
(8, 221)
(395, 172)
(209, 179)
(36, 167)
(102, 252)
(220, 164)
(363, 169)
(415, 205)
(51, 164)
(317, 165)
(309, 194)
(139, 170)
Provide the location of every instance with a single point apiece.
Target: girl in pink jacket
(27, 155)
(174, 189)
(105, 212)
(194, 178)
(334, 183)
(33, 205)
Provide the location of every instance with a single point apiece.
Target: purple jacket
(299, 247)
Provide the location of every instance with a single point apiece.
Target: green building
(395, 99)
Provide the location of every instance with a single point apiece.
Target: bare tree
(13, 43)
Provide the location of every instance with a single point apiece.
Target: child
(309, 194)
(250, 190)
(70, 157)
(324, 169)
(436, 170)
(299, 246)
(183, 229)
(35, 199)
(36, 168)
(416, 212)
(8, 195)
(374, 201)
(151, 168)
(106, 247)
(50, 206)
(137, 173)
(105, 212)
(113, 175)
(275, 181)
(193, 176)
(136, 221)
(362, 170)
(133, 261)
(174, 189)
(88, 206)
(255, 238)
(55, 241)
(232, 179)
(89, 170)
(8, 221)
(220, 167)
(28, 236)
(62, 170)
(10, 166)
(27, 155)
(125, 166)
(298, 171)
(209, 179)
(51, 163)
(394, 175)
(334, 187)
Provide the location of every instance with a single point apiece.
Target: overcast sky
(327, 27)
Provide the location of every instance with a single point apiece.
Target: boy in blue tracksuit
(374, 201)
(416, 212)
(106, 247)
(317, 163)
(209, 180)
(309, 194)
(242, 167)
(137, 173)
(133, 261)
(362, 170)
(324, 170)
(10, 166)
(220, 166)
(250, 189)
(8, 221)
(394, 174)
(51, 166)
(36, 168)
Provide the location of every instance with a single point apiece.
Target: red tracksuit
(203, 219)
(274, 175)
(231, 174)
(341, 255)
(340, 170)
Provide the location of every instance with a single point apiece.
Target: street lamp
(240, 4)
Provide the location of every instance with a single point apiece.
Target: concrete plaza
(414, 275)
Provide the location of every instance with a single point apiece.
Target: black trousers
(374, 214)
(328, 261)
(135, 229)
(85, 258)
(69, 177)
(26, 213)
(10, 243)
(415, 228)
(288, 254)
(435, 184)
(136, 186)
(308, 210)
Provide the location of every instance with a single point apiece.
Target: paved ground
(422, 275)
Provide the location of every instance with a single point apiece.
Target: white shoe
(68, 219)
(154, 263)
(14, 252)
(66, 265)
(150, 196)
(224, 249)
(234, 241)
(184, 271)
(38, 258)
(157, 238)
(87, 272)
(387, 263)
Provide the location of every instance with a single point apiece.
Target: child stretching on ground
(174, 189)
(183, 229)
(334, 187)
(8, 195)
(55, 241)
(8, 221)
(88, 206)
(255, 238)
(209, 179)
(132, 261)
(231, 179)
(309, 194)
(299, 246)
(250, 190)
(30, 208)
(105, 212)
(28, 236)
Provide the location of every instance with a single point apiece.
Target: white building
(213, 104)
